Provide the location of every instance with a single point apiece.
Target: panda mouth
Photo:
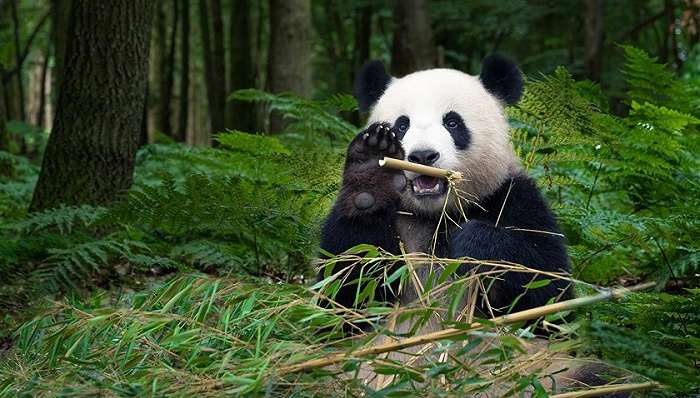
(426, 185)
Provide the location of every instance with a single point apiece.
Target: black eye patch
(457, 129)
(401, 126)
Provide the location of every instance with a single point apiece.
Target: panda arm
(366, 208)
(523, 231)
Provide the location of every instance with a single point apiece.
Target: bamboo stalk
(610, 389)
(449, 175)
(453, 332)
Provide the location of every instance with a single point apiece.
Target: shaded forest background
(203, 50)
(138, 205)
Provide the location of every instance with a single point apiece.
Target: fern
(311, 122)
(651, 82)
(62, 218)
(74, 265)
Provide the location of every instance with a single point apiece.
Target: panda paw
(380, 138)
(367, 187)
(376, 142)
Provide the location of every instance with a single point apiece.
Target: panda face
(447, 119)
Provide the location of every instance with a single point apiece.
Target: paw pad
(364, 200)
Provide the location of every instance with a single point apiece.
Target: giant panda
(494, 215)
(451, 120)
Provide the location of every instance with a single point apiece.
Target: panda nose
(425, 157)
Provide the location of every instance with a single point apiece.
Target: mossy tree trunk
(91, 152)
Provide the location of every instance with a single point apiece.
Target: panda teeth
(424, 185)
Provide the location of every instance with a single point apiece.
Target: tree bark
(414, 46)
(363, 34)
(214, 70)
(18, 60)
(166, 60)
(6, 165)
(219, 67)
(4, 134)
(60, 15)
(181, 135)
(242, 75)
(593, 20)
(289, 56)
(91, 152)
(41, 108)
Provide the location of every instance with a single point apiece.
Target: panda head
(447, 119)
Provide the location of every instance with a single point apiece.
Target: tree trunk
(289, 56)
(181, 135)
(593, 20)
(91, 152)
(60, 15)
(6, 165)
(414, 47)
(242, 114)
(166, 60)
(41, 111)
(18, 59)
(214, 69)
(363, 34)
(4, 134)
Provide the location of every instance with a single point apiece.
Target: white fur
(425, 97)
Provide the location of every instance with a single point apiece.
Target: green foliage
(670, 321)
(310, 123)
(625, 186)
(251, 207)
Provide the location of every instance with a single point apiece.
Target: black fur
(527, 233)
(347, 226)
(370, 82)
(502, 78)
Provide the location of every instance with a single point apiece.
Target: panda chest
(419, 235)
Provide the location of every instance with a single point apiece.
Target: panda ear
(502, 78)
(370, 82)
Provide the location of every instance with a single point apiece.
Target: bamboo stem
(453, 332)
(452, 176)
(610, 389)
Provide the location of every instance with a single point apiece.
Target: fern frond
(652, 82)
(309, 118)
(74, 266)
(63, 218)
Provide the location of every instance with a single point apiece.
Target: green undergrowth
(195, 283)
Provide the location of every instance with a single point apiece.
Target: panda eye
(452, 121)
(401, 126)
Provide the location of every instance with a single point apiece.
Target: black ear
(370, 82)
(502, 78)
